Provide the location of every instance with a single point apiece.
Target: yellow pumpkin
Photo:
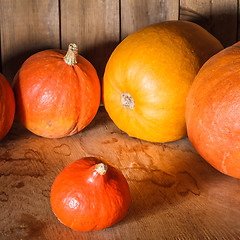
(149, 74)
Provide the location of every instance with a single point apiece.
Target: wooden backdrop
(97, 26)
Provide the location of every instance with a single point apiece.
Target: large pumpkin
(7, 106)
(148, 76)
(57, 93)
(213, 111)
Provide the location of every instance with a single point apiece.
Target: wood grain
(219, 17)
(26, 27)
(141, 13)
(224, 14)
(94, 26)
(175, 193)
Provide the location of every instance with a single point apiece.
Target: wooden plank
(224, 14)
(94, 26)
(219, 17)
(27, 26)
(175, 194)
(141, 13)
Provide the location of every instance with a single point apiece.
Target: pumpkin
(213, 111)
(90, 194)
(149, 74)
(57, 93)
(7, 106)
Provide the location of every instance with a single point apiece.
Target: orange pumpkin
(148, 76)
(57, 93)
(7, 106)
(213, 111)
(90, 195)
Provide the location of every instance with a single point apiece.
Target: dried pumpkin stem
(127, 100)
(71, 56)
(101, 168)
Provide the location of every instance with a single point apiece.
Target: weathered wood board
(175, 193)
(219, 17)
(93, 26)
(97, 26)
(26, 27)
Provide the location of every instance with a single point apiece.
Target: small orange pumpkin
(7, 106)
(149, 74)
(90, 195)
(213, 111)
(57, 93)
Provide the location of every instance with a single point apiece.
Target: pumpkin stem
(101, 168)
(71, 56)
(127, 100)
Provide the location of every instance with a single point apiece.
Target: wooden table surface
(175, 194)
